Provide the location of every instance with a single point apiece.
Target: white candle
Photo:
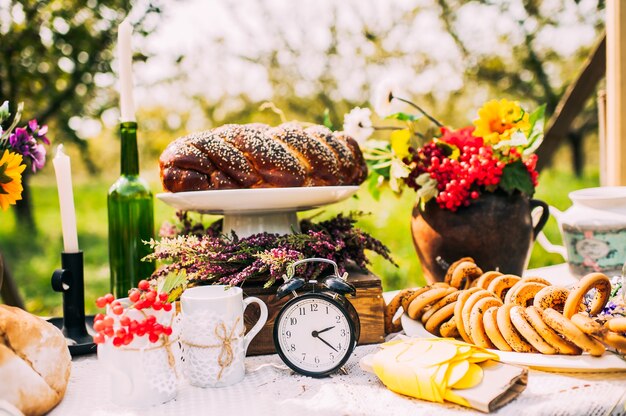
(63, 171)
(125, 58)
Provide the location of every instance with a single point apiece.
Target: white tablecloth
(271, 389)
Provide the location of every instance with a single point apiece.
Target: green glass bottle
(131, 219)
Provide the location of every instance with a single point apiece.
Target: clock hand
(325, 329)
(327, 343)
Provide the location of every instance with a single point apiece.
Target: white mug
(142, 373)
(212, 338)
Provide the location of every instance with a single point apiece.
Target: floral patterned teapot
(593, 231)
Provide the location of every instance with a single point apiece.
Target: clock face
(314, 335)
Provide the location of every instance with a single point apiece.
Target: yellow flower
(498, 120)
(11, 169)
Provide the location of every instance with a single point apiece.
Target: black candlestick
(70, 281)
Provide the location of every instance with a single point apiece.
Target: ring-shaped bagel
(476, 326)
(463, 275)
(438, 318)
(469, 305)
(519, 318)
(453, 266)
(523, 293)
(570, 332)
(508, 331)
(486, 278)
(490, 324)
(451, 297)
(458, 309)
(534, 316)
(597, 281)
(502, 284)
(448, 329)
(551, 297)
(418, 305)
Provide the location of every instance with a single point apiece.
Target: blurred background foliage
(202, 64)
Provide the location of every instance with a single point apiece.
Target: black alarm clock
(315, 332)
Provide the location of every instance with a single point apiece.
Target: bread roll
(258, 156)
(34, 362)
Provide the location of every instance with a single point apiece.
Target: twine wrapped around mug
(167, 343)
(225, 357)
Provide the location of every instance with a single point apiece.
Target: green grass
(32, 258)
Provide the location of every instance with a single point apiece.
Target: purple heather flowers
(26, 142)
(207, 256)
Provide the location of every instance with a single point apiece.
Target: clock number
(343, 332)
(302, 311)
(303, 356)
(327, 310)
(288, 334)
(292, 347)
(339, 346)
(314, 307)
(332, 356)
(317, 360)
(338, 318)
(293, 321)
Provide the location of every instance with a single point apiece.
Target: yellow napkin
(430, 369)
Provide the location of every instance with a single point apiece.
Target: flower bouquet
(473, 184)
(18, 146)
(137, 344)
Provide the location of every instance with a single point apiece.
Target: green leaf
(449, 150)
(4, 111)
(173, 283)
(373, 185)
(327, 122)
(515, 177)
(428, 188)
(403, 117)
(537, 121)
(16, 119)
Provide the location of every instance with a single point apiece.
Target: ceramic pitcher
(593, 231)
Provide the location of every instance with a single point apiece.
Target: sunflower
(11, 169)
(498, 120)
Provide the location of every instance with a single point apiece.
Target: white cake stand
(252, 211)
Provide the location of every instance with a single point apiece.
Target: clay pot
(496, 230)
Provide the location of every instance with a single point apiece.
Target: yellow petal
(451, 396)
(400, 142)
(472, 377)
(456, 371)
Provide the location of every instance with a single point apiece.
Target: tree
(56, 57)
(530, 63)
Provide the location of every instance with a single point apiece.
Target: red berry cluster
(474, 168)
(121, 328)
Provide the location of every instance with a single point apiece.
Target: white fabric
(270, 388)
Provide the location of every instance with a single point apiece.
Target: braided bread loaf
(259, 156)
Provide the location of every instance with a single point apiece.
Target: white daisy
(517, 139)
(383, 99)
(358, 124)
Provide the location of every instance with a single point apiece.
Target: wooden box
(368, 303)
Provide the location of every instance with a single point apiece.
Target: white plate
(567, 363)
(257, 200)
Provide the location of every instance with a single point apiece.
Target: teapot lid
(600, 197)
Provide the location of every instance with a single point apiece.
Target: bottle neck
(130, 154)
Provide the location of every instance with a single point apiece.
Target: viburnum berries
(462, 166)
(121, 328)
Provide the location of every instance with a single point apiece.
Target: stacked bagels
(512, 313)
